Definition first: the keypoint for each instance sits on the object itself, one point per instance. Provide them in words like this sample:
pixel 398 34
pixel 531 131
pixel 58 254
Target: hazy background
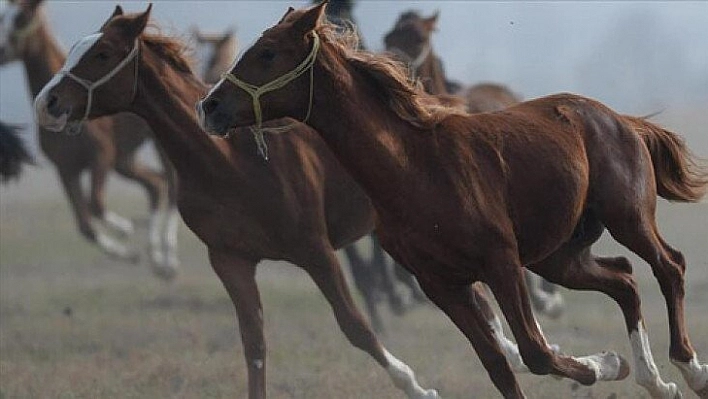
pixel 637 57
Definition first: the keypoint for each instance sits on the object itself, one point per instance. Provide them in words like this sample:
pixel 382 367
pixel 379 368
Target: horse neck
pixel 165 100
pixel 432 76
pixel 42 58
pixel 365 135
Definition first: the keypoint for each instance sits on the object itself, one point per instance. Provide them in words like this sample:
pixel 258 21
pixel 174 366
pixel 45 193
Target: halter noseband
pixel 91 86
pixel 257 91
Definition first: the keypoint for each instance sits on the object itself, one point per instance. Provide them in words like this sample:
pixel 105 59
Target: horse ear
pixel 118 11
pixel 290 9
pixel 431 23
pixel 134 27
pixel 310 19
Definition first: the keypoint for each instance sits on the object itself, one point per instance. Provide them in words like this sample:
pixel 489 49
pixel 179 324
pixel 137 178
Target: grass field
pixel 75 324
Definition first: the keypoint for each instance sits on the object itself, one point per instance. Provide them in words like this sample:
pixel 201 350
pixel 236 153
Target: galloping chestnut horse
pixel 371 277
pixel 462 198
pixel 411 40
pixel 299 207
pixel 102 145
pixel 13 153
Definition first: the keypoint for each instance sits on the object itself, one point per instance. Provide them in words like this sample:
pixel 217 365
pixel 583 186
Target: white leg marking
pixel 118 223
pixel 404 379
pixel 695 374
pixel 171 230
pixel 646 373
pixel 606 365
pixel 511 351
pixel 155 238
pixel 115 248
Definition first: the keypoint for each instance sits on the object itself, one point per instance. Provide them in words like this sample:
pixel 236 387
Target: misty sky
pixel 637 57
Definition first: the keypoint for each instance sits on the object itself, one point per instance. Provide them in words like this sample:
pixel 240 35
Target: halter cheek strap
pixel 257 91
pixel 91 86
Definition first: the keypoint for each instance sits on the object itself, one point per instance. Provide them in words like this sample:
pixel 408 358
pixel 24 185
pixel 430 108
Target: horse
pixel 411 40
pixel 299 207
pixel 220 51
pixel 463 198
pixel 13 153
pixel 371 276
pixel 101 145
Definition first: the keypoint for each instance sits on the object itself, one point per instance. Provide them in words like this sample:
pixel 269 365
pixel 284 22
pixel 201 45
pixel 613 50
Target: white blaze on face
pixel 44 118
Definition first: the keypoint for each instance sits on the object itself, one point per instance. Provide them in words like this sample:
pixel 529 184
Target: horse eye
pixel 103 56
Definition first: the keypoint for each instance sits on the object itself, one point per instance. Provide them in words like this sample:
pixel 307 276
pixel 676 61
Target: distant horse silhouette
pixel 219 53
pixel 462 198
pixel 13 153
pixel 411 40
pixel 102 145
pixel 299 207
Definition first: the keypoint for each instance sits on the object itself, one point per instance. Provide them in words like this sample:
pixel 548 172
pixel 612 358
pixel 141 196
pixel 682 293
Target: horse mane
pixel 177 53
pixel 390 77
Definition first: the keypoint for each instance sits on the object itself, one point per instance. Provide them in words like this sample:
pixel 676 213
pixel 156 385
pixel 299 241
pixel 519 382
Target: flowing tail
pixel 680 175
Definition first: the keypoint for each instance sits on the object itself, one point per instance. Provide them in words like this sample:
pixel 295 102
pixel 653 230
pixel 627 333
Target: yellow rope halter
pixel 257 91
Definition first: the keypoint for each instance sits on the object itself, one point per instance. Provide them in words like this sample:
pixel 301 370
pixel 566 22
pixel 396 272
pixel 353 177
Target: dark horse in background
pixel 464 198
pixel 410 40
pixel 13 152
pixel 102 145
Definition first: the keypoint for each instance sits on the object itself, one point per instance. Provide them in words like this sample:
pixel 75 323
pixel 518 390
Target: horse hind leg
pixel 325 271
pixel 668 266
pixel 576 268
pixel 507 284
pixel 544 296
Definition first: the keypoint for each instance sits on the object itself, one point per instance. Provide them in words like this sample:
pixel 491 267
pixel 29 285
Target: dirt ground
pixel 76 324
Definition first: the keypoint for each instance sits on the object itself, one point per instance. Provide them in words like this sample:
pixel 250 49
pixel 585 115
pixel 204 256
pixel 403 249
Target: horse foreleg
pixel 469 309
pixel 547 302
pixel 99 176
pixel 366 283
pixel 72 186
pixel 239 278
pixel 326 273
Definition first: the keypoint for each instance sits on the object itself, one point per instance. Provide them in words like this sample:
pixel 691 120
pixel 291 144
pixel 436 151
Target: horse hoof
pixel 430 394
pixel 165 272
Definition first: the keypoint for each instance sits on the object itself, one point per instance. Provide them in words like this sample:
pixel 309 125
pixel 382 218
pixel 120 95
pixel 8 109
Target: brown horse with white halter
pixel 103 145
pixel 410 39
pixel 298 207
pixel 462 198
pixel 371 276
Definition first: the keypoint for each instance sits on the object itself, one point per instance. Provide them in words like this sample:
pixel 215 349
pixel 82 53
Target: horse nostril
pixel 210 105
pixel 52 102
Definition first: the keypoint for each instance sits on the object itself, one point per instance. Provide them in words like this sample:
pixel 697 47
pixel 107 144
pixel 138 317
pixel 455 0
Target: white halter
pixel 91 86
